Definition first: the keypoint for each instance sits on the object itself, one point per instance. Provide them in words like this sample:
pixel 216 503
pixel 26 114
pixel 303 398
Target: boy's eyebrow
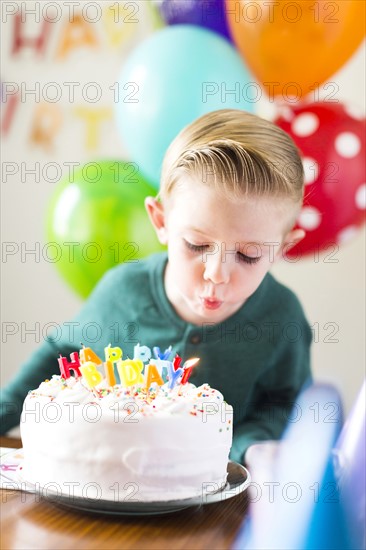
pixel 196 230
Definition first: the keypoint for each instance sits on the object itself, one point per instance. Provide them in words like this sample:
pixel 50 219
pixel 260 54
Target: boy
pixel 231 189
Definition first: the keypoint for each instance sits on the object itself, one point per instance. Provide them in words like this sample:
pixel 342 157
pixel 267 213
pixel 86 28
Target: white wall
pixel 333 294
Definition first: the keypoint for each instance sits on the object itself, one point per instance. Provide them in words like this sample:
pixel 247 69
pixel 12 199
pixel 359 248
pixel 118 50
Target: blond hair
pixel 238 153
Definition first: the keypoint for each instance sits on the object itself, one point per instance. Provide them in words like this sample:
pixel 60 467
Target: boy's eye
pixel 248 259
pixel 196 247
pixel 242 257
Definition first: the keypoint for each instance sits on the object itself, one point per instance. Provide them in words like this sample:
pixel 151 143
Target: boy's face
pixel 219 250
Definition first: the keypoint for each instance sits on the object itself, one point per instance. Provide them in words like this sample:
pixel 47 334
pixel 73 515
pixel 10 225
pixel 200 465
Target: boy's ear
pixel 293 237
pixel 155 211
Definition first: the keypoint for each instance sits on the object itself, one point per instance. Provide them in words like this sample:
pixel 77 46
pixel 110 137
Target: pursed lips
pixel 211 302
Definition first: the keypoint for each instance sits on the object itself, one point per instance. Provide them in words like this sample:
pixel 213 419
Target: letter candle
pixel 112 355
pixel 161 365
pixel 87 354
pixel 161 360
pixel 66 365
pixel 152 375
pixel 142 352
pixel 108 365
pixel 130 372
pixel 177 362
pixel 174 374
pixel 109 373
pixel 188 367
pixel 162 355
pixel 92 376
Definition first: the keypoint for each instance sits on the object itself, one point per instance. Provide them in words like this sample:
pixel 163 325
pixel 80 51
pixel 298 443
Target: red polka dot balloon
pixel 331 138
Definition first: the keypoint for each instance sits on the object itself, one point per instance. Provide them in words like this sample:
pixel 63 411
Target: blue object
pixel 210 14
pixel 303 512
pixel 169 80
pixel 350 457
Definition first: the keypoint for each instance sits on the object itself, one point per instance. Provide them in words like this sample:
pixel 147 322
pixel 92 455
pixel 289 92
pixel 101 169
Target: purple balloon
pixel 204 13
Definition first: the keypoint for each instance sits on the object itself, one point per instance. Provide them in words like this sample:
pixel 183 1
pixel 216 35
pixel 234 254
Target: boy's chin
pixel 214 313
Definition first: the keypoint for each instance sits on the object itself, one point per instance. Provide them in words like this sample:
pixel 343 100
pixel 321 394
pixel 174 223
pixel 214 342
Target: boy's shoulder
pixel 275 297
pixel 135 273
pixel 279 289
pixel 129 284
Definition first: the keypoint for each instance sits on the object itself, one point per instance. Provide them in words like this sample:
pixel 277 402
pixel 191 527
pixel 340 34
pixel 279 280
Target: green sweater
pixel 258 358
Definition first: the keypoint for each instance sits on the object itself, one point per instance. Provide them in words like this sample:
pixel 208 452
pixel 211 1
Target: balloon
pixel 172 78
pixel 331 138
pixel 96 219
pixel 350 460
pixel 293 47
pixel 303 519
pixel 210 14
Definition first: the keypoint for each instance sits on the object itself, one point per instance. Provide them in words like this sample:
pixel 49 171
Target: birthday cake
pixel 153 436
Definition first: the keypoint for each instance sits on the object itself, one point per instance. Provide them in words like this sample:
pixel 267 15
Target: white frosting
pixel 124 443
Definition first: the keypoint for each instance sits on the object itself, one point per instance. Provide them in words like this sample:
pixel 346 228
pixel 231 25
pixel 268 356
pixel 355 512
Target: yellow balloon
pixel 293 47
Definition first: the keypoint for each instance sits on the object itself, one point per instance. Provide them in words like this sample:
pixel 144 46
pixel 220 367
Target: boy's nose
pixel 216 270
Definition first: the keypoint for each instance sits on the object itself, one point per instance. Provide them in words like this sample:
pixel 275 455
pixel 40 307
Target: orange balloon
pixel 293 47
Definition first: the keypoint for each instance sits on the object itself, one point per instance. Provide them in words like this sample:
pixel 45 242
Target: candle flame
pixel 191 363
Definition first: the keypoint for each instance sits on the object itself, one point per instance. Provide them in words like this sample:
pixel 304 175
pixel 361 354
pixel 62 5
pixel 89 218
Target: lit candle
pixel 152 375
pixel 91 374
pixel 130 372
pixel 188 367
pixel 66 366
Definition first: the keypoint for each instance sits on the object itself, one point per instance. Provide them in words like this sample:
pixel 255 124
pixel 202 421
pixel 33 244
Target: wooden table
pixel 30 523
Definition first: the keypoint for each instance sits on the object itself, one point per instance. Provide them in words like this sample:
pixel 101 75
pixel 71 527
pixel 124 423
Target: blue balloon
pixel 210 14
pixel 169 80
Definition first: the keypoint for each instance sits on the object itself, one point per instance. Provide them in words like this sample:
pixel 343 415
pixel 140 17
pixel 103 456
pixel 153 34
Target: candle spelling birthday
pixel 144 369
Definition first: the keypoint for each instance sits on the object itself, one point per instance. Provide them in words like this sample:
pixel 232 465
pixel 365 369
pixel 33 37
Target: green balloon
pixel 96 220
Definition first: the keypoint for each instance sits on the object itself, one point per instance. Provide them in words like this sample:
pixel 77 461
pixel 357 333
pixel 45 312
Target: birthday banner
pixel 59 81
